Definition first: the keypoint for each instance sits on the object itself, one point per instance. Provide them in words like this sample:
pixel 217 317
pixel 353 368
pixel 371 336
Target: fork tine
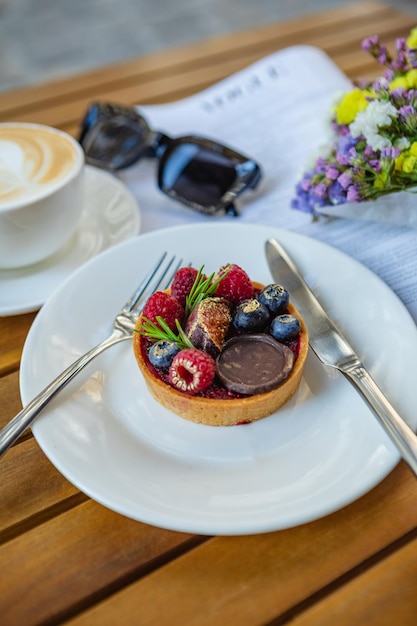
pixel 157 284
pixel 145 289
pixel 172 274
pixel 130 304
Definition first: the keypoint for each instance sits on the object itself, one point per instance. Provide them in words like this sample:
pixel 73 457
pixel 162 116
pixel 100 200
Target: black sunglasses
pixel 199 172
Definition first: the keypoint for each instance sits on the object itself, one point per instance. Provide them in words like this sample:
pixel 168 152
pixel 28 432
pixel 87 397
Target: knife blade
pixel 333 349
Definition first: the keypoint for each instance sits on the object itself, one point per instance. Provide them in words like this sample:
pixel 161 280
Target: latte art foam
pixel 32 162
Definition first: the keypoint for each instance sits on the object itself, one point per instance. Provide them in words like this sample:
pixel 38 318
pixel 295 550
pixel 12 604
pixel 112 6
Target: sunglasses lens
pixel 116 142
pixel 196 174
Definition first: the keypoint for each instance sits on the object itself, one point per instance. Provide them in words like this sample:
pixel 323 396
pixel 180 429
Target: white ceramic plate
pixel 111 214
pixel 114 442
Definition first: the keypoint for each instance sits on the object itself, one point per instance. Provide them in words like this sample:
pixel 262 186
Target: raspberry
pixel 163 305
pixel 236 284
pixel 192 370
pixel 183 281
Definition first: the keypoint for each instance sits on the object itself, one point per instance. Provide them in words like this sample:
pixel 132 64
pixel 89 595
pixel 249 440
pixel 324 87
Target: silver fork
pixel 159 277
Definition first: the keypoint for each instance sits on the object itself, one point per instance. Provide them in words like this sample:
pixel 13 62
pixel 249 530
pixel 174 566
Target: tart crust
pixel 220 412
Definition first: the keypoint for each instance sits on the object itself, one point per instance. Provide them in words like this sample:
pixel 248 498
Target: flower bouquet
pixel 373 153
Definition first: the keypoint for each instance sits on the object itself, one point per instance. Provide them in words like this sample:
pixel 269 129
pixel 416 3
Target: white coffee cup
pixel 41 192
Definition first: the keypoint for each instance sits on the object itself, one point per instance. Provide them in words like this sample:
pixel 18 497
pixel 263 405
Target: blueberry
pixel 162 353
pixel 275 298
pixel 251 316
pixel 285 327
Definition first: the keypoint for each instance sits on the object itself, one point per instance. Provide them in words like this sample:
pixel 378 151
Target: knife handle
pixel 399 431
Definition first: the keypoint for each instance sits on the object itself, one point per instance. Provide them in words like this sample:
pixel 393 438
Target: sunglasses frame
pixel 102 116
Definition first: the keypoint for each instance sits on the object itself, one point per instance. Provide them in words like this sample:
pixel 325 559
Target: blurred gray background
pixel 46 39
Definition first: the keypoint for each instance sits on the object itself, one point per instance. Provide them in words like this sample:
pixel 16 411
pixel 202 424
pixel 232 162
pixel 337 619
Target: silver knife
pixel 333 350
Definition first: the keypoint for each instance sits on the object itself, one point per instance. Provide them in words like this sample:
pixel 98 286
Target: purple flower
pixel 400 44
pixel 353 194
pixel 406 111
pixel 389 74
pixel 399 92
pixel 345 144
pixel 345 179
pixel 321 164
pixel 305 183
pixel 302 201
pixel 400 63
pixel 379 85
pixel 370 43
pixel 316 200
pixel 390 153
pixel 337 195
pixel 345 149
pixel 320 190
pixel 412 57
pixel 342 159
pixel 331 172
pixel 382 57
pixel 369 151
pixel 376 165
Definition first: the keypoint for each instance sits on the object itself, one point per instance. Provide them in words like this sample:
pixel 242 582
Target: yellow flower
pixel 399 162
pixel 381 180
pixel 410 164
pixel 407 160
pixel 408 81
pixel 412 79
pixel 350 105
pixel 400 81
pixel 412 38
pixel 413 149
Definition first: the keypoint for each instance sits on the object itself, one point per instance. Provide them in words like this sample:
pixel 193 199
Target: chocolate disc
pixel 250 364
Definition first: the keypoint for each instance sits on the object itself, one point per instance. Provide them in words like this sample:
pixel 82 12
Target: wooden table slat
pixel 253 580
pixel 383 596
pixel 13 331
pixel 76 558
pixel 40 488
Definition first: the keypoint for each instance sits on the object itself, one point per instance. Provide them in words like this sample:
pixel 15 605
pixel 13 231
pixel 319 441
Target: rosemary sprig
pixel 163 332
pixel 202 288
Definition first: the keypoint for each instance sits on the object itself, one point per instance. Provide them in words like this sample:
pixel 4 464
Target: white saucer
pixel 111 214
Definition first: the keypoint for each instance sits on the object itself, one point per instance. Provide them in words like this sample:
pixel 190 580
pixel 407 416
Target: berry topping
pixel 162 353
pixel 235 284
pixel 208 324
pixel 162 304
pixel 251 316
pixel 192 371
pixel 275 298
pixel 285 327
pixel 182 283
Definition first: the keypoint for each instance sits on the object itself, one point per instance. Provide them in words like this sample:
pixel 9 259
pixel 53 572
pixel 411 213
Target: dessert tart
pixel 234 357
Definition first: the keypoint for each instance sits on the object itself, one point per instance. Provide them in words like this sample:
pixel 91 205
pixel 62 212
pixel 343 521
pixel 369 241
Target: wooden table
pixel 65 558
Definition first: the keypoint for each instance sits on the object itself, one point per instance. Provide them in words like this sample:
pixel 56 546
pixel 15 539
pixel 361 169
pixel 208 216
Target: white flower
pixel 368 122
pixel 402 143
pixel 378 142
pixel 380 113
